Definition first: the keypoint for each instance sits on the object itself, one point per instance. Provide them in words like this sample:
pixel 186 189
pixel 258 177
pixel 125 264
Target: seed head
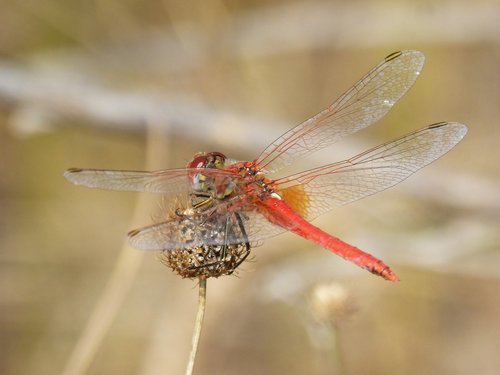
pixel 205 261
pixel 331 303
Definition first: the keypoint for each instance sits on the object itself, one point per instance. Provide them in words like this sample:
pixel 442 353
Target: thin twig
pixel 198 324
pixel 118 285
pixel 104 313
pixel 47 96
pixel 337 358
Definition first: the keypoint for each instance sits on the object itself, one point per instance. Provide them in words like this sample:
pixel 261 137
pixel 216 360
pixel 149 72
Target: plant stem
pixel 197 325
pixel 337 351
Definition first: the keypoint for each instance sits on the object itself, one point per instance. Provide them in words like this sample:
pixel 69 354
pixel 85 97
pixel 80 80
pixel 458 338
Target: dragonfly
pixel 237 203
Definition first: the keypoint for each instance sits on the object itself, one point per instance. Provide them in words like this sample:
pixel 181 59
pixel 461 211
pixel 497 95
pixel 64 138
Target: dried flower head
pixel 330 303
pixel 205 261
pixel 219 242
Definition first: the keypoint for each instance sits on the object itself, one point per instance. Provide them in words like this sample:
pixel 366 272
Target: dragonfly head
pixel 206 184
pixel 207 160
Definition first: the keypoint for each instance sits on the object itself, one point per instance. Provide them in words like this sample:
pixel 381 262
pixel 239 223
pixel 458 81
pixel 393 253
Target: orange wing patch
pixel 296 198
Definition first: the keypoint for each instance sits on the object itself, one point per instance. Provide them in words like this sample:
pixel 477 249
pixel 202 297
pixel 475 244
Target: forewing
pixel 321 189
pixel 362 105
pixel 163 181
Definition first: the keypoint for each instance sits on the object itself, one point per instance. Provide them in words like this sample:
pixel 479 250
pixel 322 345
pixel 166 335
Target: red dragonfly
pixel 234 202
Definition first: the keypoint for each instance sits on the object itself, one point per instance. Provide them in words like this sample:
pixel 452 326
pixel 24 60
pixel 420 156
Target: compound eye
pixel 217 160
pixel 199 161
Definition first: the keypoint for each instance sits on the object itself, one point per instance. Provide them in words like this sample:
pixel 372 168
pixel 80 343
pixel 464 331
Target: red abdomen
pixel 279 213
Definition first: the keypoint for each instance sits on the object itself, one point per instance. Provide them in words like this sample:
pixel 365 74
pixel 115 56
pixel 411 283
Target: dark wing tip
pixel 69 173
pixel 134 240
pixel 72 170
pixel 133 233
pixel 461 129
pixel 438 125
pixel 416 57
pixel 393 55
pixel 397 54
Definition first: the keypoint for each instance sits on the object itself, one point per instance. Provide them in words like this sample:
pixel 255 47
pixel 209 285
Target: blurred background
pixel 125 84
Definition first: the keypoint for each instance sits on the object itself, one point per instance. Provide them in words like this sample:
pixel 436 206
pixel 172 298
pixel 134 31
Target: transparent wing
pixel 310 193
pixel 362 105
pixel 213 230
pixel 319 190
pixel 164 181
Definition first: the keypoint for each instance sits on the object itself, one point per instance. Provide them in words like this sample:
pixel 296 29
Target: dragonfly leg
pixel 245 237
pixel 228 256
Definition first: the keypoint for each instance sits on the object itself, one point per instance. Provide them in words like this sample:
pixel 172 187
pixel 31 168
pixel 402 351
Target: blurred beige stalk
pixel 121 279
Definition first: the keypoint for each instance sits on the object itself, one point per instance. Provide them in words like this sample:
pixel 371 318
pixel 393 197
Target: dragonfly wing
pixel 164 181
pixel 258 228
pixel 182 232
pixel 318 190
pixel 362 105
pixel 215 230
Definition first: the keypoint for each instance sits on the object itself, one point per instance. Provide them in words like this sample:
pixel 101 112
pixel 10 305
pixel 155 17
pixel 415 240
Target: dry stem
pixel 198 324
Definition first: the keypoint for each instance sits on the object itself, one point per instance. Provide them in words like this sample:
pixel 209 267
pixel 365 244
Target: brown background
pixel 144 85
